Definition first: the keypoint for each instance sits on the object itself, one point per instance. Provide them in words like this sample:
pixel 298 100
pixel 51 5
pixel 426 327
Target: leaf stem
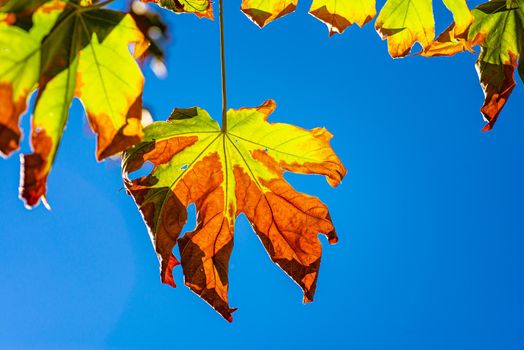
pixel 223 64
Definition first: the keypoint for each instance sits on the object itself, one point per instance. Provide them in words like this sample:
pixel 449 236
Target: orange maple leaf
pixel 226 173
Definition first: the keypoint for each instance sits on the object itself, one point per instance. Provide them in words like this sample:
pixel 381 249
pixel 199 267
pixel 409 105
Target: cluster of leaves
pixel 66 49
pixel 497 26
pixel 76 48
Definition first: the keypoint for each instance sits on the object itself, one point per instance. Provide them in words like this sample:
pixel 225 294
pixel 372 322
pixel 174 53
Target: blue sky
pixel 429 216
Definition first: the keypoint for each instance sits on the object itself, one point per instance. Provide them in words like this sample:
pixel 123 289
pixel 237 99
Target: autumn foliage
pixel 66 49
pixel 227 173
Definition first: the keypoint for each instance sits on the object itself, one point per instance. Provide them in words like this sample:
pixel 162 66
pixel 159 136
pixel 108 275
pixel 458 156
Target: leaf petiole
pixel 223 64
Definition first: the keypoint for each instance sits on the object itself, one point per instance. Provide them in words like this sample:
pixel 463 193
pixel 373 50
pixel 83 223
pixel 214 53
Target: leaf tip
pixel 332 237
pixel 268 107
pixel 487 127
pixel 308 297
pixel 167 271
pixel 229 318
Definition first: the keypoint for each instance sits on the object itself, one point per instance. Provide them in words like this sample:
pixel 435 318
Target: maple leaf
pixel 405 22
pixel 261 12
pixel 69 51
pixel 200 8
pixel 225 174
pixel 498 27
pixel 336 14
pixel 340 14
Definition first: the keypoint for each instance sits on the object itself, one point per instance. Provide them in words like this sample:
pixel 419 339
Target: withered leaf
pixel 226 174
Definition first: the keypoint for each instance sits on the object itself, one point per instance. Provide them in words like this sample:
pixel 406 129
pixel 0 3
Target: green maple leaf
pixel 69 51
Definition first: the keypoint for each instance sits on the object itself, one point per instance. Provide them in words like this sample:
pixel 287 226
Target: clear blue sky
pixel 430 216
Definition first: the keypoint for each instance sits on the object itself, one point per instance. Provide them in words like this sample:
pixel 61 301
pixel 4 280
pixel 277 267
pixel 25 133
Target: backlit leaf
pixel 70 51
pixel 224 175
pixel 405 22
pixel 200 8
pixel 340 14
pixel 336 14
pixel 19 72
pixel 262 12
pixel 498 27
pixel 461 15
